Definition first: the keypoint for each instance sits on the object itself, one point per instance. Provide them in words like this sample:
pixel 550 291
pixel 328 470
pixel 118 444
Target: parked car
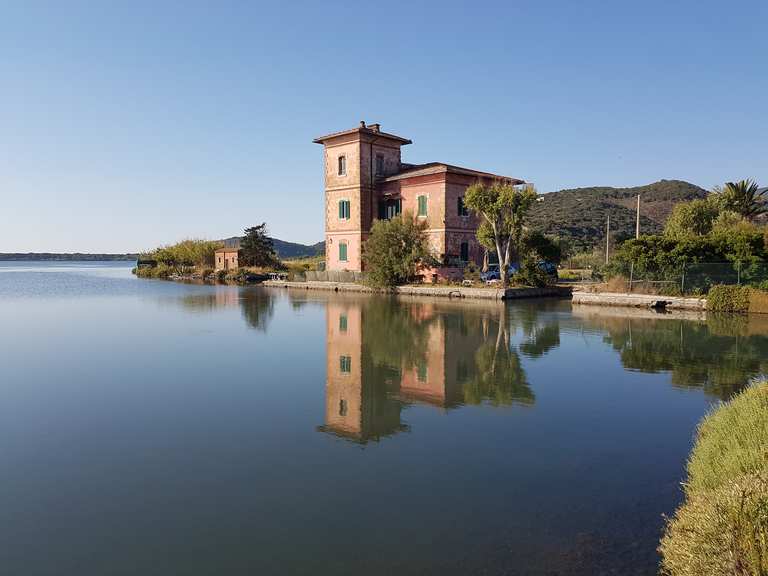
pixel 493 272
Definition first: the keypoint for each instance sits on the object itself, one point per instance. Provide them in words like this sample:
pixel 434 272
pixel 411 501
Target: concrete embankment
pixel 639 301
pixel 432 291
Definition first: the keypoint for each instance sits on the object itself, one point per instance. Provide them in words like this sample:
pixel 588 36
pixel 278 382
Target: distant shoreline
pixel 66 257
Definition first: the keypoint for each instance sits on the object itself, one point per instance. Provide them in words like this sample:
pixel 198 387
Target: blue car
pixel 494 274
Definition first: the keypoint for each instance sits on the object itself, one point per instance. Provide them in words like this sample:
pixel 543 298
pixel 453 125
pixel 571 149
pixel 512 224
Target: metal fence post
pixel 682 281
pixel 631 275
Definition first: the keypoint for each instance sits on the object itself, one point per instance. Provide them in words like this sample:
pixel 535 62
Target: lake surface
pixel 150 427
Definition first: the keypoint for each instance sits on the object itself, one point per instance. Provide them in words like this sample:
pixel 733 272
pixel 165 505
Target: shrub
pixel 721 532
pixel 471 272
pixel 728 298
pixel 394 251
pixel 185 253
pixel 722 527
pixel 530 274
pixel 758 301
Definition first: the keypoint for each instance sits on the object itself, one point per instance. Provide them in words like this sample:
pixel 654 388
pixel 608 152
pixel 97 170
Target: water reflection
pixel 714 352
pixel 383 354
pixel 256 305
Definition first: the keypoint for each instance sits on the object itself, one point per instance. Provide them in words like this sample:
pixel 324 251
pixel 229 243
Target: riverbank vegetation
pixel 721 238
pixel 722 526
pixel 188 257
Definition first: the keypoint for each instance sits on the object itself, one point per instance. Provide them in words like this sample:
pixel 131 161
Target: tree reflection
pixel 256 304
pixel 386 353
pixel 257 307
pixel 719 354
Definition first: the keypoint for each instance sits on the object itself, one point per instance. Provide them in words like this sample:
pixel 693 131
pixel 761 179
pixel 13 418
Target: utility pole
pixel 637 223
pixel 607 237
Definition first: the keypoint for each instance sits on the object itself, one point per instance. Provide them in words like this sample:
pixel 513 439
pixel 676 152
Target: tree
pixel 743 197
pixel 395 250
pixel 693 218
pixel 503 208
pixel 256 248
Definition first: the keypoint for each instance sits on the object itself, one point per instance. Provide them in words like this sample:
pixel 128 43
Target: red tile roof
pixel 439 167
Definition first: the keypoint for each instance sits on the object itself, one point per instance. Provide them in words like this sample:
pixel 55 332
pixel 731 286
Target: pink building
pixel 366 179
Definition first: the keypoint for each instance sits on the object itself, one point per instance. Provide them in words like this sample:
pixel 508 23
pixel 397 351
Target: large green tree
pixel 395 250
pixel 256 248
pixel 693 218
pixel 503 209
pixel 743 197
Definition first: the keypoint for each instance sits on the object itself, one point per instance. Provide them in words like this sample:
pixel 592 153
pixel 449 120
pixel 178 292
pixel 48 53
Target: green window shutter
pixel 422 205
pixel 341 209
pixel 343 323
pixel 345 363
pixel 343 251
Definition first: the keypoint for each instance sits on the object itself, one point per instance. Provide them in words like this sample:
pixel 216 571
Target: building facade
pixel 226 258
pixel 366 179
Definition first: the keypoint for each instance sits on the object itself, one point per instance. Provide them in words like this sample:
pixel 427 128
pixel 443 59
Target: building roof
pixel 412 171
pixel 228 249
pixel 372 130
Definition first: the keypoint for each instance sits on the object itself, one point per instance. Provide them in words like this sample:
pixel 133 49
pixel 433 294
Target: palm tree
pixel 745 198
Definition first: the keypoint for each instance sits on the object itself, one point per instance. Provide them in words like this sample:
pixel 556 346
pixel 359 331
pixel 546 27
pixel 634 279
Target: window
pixel 344 210
pixel 345 364
pixel 465 251
pixel 462 210
pixel 343 323
pixel 342 251
pixel 342 407
pixel 422 206
pixel 342 165
pixel 421 371
pixel 389 209
pixel 379 164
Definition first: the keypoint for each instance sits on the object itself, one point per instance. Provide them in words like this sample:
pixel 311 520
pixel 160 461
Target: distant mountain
pixel 69 257
pixel 287 249
pixel 580 214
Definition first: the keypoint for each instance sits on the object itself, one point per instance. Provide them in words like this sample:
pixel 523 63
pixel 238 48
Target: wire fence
pixel 691 278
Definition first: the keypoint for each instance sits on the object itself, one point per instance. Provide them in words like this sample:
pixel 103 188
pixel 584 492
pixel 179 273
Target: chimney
pixel 375 127
pixel 362 123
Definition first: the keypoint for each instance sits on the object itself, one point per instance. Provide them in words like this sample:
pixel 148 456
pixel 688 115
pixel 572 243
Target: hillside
pixel 287 249
pixel 580 214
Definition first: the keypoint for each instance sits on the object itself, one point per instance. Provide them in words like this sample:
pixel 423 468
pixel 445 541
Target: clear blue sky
pixel 128 124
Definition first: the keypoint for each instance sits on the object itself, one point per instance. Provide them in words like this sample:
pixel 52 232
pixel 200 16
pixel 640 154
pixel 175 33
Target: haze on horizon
pixel 127 125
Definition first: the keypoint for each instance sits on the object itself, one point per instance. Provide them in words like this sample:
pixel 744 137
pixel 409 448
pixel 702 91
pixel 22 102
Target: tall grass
pixel 722 527
pixel 191 252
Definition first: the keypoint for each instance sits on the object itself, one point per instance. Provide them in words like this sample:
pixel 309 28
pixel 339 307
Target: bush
pixel 722 527
pixel 531 274
pixel 758 301
pixel 395 250
pixel 728 298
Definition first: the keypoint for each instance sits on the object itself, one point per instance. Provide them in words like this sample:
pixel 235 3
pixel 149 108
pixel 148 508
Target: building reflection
pixel 383 355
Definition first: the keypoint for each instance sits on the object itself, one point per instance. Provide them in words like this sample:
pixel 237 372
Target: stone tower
pixel 354 160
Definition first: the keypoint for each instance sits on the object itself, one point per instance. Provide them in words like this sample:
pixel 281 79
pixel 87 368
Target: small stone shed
pixel 226 258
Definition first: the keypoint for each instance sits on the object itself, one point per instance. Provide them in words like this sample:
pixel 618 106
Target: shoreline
pixel 495 294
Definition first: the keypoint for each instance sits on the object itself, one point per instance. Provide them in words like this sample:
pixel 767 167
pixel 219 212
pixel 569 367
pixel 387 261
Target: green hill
pixel 286 249
pixel 579 214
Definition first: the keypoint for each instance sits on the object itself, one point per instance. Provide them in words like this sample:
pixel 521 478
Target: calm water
pixel 149 427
